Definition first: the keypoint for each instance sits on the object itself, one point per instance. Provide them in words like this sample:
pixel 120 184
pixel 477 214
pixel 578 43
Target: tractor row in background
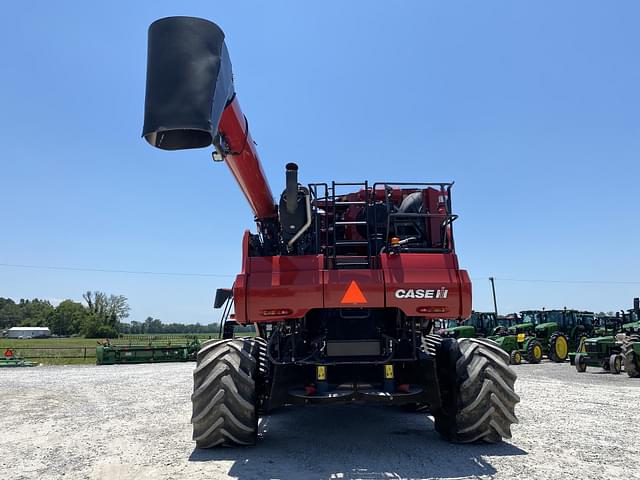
pixel 610 342
pixel 531 335
pixel 617 345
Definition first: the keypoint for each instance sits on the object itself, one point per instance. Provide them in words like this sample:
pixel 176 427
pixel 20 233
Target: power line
pixel 221 275
pixel 106 270
pixel 588 282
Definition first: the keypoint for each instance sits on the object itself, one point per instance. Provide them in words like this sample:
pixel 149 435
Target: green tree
pixel 105 311
pixel 10 314
pixel 68 318
pixel 94 327
pixel 35 312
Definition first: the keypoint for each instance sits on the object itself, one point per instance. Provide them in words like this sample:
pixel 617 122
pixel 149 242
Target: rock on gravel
pixel 132 422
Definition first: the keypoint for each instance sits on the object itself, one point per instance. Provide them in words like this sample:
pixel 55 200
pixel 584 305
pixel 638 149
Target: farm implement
pixel 9 359
pixel 343 281
pixel 108 354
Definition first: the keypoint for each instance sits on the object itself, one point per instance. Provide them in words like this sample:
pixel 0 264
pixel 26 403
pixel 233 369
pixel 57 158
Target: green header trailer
pixel 107 354
pixel 9 359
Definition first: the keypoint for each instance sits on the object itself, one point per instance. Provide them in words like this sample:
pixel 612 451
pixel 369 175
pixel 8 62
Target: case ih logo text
pixel 422 293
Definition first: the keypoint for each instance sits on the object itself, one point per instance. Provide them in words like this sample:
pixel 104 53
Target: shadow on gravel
pixel 354 442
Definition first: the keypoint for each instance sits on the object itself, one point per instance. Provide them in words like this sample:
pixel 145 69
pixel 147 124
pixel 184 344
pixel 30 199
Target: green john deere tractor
pixel 605 325
pixel 631 341
pixel 562 331
pixel 631 354
pixel 519 339
pixel 604 352
pixel 479 324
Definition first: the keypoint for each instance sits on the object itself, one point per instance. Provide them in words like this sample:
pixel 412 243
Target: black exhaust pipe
pixel 189 83
pixel 292 187
pixel 636 305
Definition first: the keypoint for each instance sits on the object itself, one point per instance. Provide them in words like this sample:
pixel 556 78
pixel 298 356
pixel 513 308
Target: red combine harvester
pixel 343 281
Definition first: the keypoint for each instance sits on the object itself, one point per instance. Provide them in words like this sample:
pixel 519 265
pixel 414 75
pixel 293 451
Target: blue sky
pixel 531 107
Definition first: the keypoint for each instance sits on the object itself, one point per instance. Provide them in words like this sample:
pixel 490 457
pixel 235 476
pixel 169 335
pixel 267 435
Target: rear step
pixel 351 262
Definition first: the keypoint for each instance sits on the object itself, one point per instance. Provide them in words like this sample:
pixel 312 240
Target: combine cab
pixel 343 281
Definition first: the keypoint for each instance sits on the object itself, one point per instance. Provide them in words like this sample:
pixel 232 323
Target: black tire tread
pixel 486 397
pixel 631 360
pixel 224 393
pixel 530 357
pixel 431 343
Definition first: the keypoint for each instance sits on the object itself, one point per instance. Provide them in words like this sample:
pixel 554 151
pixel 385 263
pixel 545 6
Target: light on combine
pixel 433 309
pixel 279 312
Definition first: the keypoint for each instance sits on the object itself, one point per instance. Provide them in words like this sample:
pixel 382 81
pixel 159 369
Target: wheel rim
pixel 518 357
pixel 537 352
pixel 561 347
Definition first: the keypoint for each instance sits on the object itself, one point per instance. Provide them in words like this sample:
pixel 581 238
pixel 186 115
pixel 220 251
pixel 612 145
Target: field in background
pixel 76 351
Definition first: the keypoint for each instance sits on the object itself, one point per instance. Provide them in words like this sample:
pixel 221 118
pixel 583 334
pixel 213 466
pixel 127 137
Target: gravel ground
pixel 132 421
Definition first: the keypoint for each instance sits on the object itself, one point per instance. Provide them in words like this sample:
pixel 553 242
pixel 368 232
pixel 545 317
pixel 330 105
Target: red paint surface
pixel 244 163
pixel 300 283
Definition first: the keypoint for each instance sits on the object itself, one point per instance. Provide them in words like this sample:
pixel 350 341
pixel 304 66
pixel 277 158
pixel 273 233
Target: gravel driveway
pixel 132 421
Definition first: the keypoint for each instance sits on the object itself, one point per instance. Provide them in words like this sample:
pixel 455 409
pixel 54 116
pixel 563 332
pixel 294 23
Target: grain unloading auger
pixel 344 281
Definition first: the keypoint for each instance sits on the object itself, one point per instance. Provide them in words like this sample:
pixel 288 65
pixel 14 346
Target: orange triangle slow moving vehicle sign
pixel 353 294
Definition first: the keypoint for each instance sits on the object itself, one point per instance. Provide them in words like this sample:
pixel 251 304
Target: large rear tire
pixel 224 393
pixel 534 351
pixel 558 347
pixel 631 359
pixel 477 390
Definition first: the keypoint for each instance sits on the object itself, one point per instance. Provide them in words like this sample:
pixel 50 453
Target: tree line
pixel 154 325
pixel 100 316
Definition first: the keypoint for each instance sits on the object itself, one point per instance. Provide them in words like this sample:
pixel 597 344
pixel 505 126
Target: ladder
pixel 339 244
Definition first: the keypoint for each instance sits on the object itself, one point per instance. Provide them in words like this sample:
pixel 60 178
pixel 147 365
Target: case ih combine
pixel 343 281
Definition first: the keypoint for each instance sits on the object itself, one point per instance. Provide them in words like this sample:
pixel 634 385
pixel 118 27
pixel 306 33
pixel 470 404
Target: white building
pixel 28 332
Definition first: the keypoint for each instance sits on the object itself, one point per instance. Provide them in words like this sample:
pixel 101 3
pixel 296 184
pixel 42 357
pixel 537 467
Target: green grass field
pixel 77 351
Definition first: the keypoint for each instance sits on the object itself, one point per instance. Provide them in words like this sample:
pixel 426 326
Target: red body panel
pixel 370 283
pixel 300 283
pixel 428 280
pixel 284 282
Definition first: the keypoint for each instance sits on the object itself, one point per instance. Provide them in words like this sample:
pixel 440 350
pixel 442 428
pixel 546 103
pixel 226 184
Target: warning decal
pixel 353 294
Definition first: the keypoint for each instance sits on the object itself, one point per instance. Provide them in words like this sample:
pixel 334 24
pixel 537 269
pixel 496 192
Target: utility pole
pixel 495 303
